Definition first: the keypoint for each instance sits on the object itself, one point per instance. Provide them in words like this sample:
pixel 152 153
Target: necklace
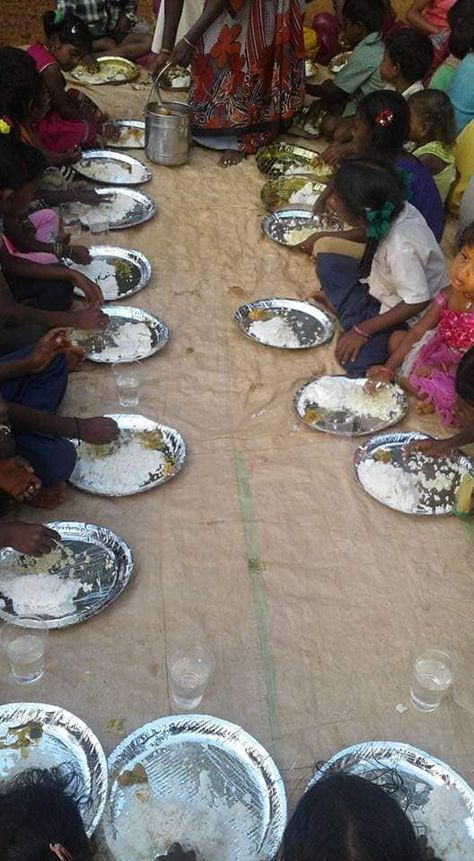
pixel 468 303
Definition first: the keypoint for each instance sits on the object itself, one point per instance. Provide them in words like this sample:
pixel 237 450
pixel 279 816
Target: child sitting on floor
pixel 407 59
pixel 73 119
pixel 402 268
pixel 343 817
pixel 33 246
pixel 362 21
pixel 433 130
pixel 463 410
pixel 460 43
pixel 40 818
pixel 430 352
pixel 381 128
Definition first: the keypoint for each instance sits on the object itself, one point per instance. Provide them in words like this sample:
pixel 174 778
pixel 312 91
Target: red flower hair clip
pixel 384 118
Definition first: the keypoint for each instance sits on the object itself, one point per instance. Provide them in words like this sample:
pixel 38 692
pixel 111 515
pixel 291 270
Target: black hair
pixel 21 85
pixel 38 808
pixel 70 30
pixel 464 382
pixel 461 24
pixel 411 51
pixel 19 162
pixel 368 185
pixel 435 109
pixel 387 115
pixel 370 13
pixel 343 817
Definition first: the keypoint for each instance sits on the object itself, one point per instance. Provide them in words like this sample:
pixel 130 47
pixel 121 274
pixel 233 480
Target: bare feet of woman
pixel 49 497
pixel 230 157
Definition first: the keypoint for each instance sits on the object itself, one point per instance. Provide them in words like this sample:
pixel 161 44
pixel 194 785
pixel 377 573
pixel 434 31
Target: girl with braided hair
pixel 401 271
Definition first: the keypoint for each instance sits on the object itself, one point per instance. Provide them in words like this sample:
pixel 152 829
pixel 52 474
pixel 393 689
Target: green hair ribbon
pixel 58 16
pixel 379 221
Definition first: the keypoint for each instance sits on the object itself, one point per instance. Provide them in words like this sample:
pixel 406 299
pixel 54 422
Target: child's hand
pixel 34 539
pixel 80 254
pixel 50 345
pixel 98 431
pixel 91 290
pixel 380 374
pixel 89 196
pixel 90 319
pixel 429 447
pixel 349 346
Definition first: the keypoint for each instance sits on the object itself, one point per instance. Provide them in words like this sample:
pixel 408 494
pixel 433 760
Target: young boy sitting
pixel 408 59
pixel 362 22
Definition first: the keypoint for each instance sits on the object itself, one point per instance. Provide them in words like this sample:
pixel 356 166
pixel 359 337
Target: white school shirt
pixel 413 88
pixel 408 265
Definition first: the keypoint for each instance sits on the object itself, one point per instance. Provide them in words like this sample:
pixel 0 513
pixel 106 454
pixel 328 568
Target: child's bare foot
pixel 321 299
pixel 74 357
pixel 49 497
pixel 230 157
pixel 424 408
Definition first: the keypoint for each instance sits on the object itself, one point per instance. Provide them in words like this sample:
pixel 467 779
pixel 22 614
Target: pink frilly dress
pixel 55 133
pixel 440 349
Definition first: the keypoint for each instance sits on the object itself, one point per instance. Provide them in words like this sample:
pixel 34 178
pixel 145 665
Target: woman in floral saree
pixel 247 70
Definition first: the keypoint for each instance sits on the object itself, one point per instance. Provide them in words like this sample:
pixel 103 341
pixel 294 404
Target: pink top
pixel 41 56
pixel 455 327
pixel 437 13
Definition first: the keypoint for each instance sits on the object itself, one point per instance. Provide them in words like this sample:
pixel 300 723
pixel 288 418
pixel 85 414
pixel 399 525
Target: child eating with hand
pixel 362 25
pixel 401 271
pixel 429 354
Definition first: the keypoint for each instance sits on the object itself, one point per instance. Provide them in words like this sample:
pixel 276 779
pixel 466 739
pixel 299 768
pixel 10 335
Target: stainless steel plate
pixel 282 226
pixel 207 767
pixel 311 325
pixel 177 78
pixel 112 168
pixel 428 471
pixel 132 134
pixel 116 479
pixel 101 346
pixel 126 207
pixel 314 412
pixel 339 62
pixel 286 159
pixel 35 735
pixel 112 70
pixel 132 271
pixel 437 800
pixel 102 563
pixel 277 191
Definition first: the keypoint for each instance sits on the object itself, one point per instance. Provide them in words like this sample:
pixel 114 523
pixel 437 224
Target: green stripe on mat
pixel 255 569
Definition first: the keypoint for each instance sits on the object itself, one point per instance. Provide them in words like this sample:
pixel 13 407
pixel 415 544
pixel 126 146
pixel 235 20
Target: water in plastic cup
pixel 73 228
pixel 432 677
pixel 127 376
pixel 26 656
pixel 190 670
pixel 98 223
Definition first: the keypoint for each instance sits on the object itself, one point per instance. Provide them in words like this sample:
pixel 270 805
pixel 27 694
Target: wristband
pixel 189 43
pixel 360 332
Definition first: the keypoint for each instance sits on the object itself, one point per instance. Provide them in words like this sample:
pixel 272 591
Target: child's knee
pixel 60 465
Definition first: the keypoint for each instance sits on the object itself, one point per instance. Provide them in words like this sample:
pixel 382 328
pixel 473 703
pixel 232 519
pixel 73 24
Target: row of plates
pixel 201 763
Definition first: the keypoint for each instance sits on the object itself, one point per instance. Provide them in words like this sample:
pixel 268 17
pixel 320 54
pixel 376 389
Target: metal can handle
pixel 155 85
